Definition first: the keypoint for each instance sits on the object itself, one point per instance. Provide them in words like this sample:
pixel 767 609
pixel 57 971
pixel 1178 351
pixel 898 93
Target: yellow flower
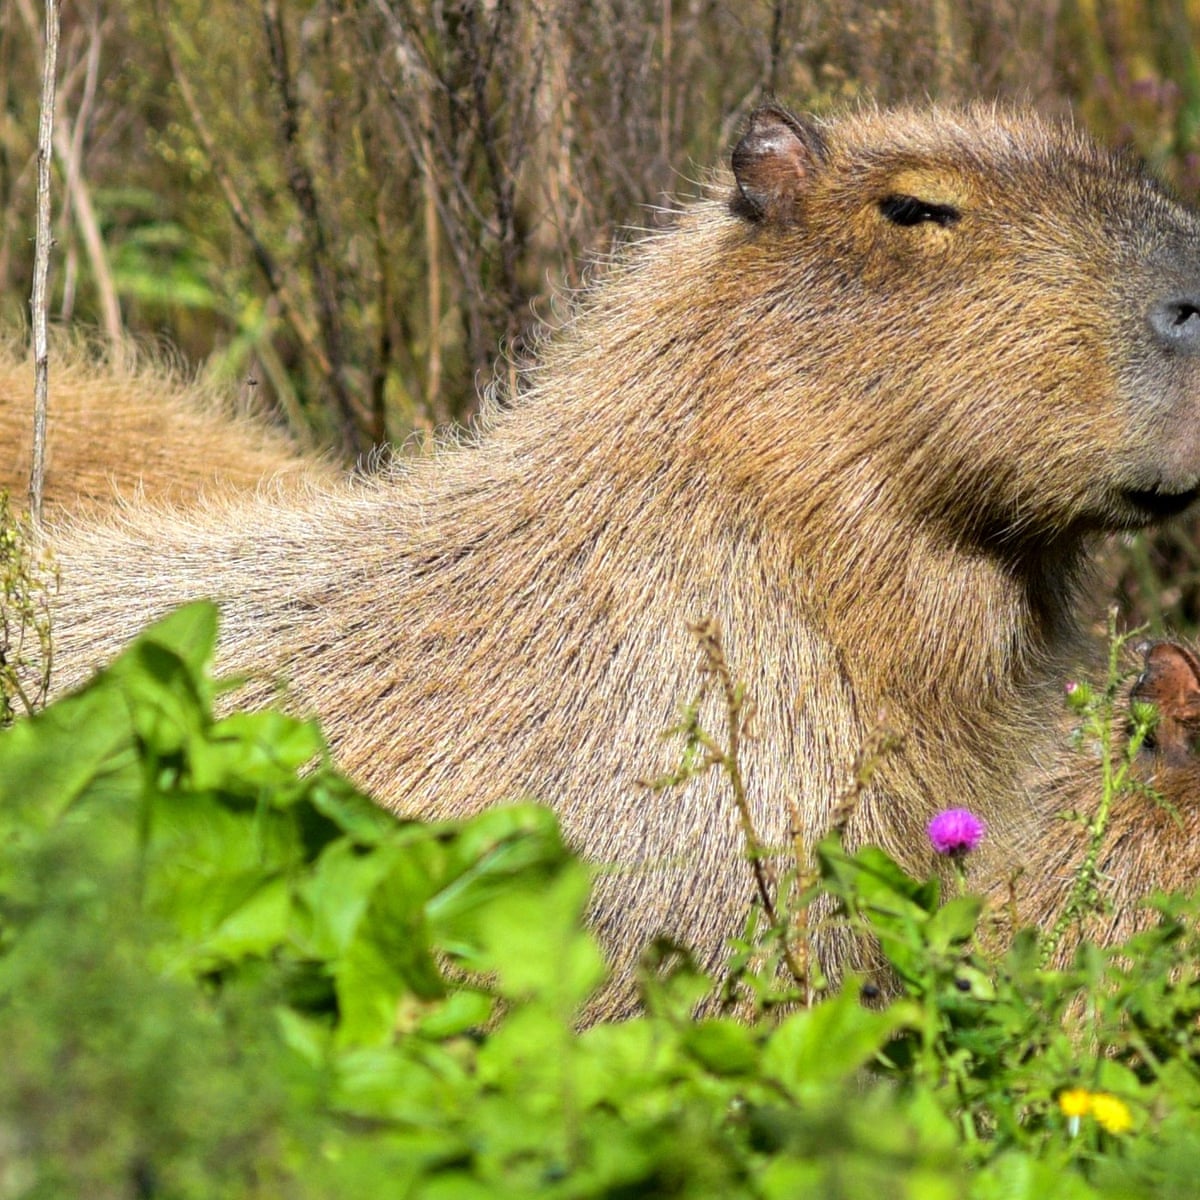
pixel 1075 1102
pixel 1111 1113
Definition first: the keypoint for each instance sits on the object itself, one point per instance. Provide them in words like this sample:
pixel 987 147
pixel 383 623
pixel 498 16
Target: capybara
pixel 115 435
pixel 864 407
pixel 1152 838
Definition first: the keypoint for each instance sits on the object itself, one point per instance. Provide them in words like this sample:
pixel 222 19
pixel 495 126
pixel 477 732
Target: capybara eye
pixel 910 210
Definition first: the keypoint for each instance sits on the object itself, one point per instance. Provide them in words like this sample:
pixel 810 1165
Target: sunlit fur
pixel 139 432
pixel 873 454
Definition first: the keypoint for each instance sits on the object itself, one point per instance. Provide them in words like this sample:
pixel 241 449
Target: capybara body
pixel 865 408
pixel 115 435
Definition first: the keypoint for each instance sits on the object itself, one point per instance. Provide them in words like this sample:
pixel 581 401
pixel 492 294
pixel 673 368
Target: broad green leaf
pixel 826 1043
pixel 248 751
pixel 535 942
pixel 257 926
pixel 50 760
pixel 460 1012
pixel 422 1088
pixel 723 1047
pixel 189 632
pixel 1019 1176
pixel 348 810
pixel 487 855
pixel 336 893
pixel 954 923
pixel 389 953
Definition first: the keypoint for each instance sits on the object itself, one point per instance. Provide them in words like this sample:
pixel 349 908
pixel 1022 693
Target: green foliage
pixel 1099 724
pixel 28 578
pixel 223 971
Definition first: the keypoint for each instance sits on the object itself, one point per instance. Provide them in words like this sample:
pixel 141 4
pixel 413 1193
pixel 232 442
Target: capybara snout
pixel 929 253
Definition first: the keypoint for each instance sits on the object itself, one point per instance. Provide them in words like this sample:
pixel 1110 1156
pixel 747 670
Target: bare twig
pixel 776 51
pixel 41 265
pixel 68 145
pixel 502 179
pixel 664 103
pixel 430 159
pixel 806 877
pixel 739 717
pixel 304 192
pixel 880 740
pixel 289 310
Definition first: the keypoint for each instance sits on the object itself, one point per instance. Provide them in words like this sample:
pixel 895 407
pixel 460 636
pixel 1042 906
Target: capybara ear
pixel 1170 680
pixel 773 164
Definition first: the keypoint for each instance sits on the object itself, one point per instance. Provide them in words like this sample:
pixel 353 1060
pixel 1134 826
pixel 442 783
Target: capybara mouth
pixel 1158 504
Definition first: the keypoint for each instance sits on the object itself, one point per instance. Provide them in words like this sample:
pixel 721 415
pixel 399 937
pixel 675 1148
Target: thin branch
pixel 430 152
pixel 41 266
pixel 273 273
pixel 69 151
pixel 433 252
pixel 503 184
pixel 69 146
pixel 777 24
pixel 304 192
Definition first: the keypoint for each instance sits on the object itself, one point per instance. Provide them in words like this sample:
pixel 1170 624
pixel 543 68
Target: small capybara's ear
pixel 774 163
pixel 1170 680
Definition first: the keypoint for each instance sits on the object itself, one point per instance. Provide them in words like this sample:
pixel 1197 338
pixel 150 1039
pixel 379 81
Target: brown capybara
pixel 1152 834
pixel 114 435
pixel 865 408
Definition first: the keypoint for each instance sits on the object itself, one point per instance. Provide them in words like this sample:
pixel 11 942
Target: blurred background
pixel 361 212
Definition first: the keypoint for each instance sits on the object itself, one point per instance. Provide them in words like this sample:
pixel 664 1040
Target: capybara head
pixel 1011 313
pixel 1170 680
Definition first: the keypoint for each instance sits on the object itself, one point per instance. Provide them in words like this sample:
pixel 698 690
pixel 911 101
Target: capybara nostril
pixel 1176 323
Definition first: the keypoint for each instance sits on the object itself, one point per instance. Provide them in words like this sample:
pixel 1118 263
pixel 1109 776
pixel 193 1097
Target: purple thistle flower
pixel 956 831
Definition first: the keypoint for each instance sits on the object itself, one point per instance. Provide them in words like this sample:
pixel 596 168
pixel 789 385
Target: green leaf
pixel 256 927
pixel 722 1047
pixel 247 752
pixel 535 942
pixel 1019 1176
pixel 390 952
pixel 876 881
pixel 827 1043
pixel 382 1082
pixel 461 1011
pixel 190 633
pixel 49 761
pixel 954 923
pixel 347 810
pixel 336 894
pixel 489 853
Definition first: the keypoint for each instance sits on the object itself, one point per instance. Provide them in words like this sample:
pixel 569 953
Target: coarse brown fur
pixel 865 408
pixel 139 433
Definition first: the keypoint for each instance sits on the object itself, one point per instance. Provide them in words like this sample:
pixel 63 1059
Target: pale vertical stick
pixel 41 265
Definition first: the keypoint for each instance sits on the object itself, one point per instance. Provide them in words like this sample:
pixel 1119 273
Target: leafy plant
pixel 28 579
pixel 223 971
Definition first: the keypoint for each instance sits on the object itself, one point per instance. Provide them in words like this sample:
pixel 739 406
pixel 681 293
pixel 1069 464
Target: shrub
pixel 223 971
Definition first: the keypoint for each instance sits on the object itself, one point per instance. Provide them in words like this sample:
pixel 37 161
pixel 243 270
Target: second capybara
pixel 119 434
pixel 865 407
pixel 1151 839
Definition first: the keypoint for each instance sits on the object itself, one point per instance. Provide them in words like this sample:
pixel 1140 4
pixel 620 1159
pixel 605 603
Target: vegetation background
pixel 221 974
pixel 364 213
